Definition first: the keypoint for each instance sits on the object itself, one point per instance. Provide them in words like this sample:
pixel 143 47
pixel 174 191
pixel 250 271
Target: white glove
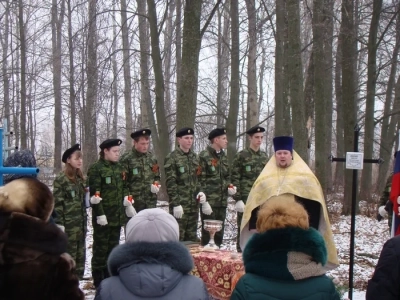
pixel 61 227
pixel 231 191
pixel 206 208
pixel 202 197
pixel 154 188
pixel 102 220
pixel 127 202
pixel 382 211
pixel 239 206
pixel 130 211
pixel 95 199
pixel 178 212
pixel 398 200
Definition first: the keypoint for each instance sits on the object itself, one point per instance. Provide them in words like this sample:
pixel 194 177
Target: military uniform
pixel 247 165
pixel 181 171
pixel 108 178
pixel 71 213
pixel 385 201
pixel 142 171
pixel 214 182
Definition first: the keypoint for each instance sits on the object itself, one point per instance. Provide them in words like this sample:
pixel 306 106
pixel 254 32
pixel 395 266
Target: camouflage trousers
pixel 140 205
pixel 188 226
pixel 105 238
pixel 76 247
pixel 239 216
pixel 219 213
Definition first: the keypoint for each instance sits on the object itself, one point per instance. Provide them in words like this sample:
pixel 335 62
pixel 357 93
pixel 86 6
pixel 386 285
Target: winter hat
pixel 28 196
pixel 280 212
pixel 23 158
pixel 152 225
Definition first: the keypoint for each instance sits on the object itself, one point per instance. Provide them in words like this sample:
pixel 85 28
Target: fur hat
pixel 23 158
pixel 152 225
pixel 28 196
pixel 281 212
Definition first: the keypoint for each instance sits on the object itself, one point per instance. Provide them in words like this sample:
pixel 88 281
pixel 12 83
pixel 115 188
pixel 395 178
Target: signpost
pixel 355 161
pixel 12 170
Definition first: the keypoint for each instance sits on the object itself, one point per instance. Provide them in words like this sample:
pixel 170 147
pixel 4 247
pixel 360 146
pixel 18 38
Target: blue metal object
pixel 12 170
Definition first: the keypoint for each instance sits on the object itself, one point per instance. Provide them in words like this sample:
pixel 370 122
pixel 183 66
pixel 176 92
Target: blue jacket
pixel 285 264
pixel 149 271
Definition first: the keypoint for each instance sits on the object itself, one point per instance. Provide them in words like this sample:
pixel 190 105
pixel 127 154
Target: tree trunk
pixel 235 88
pixel 366 179
pixel 90 143
pixel 252 103
pixel 320 100
pixel 178 43
pixel 295 74
pixel 57 20
pixel 4 69
pixel 187 93
pixel 146 111
pixel 127 74
pixel 388 127
pixel 114 130
pixel 162 127
pixel 72 93
pixel 280 124
pixel 22 131
pixel 348 90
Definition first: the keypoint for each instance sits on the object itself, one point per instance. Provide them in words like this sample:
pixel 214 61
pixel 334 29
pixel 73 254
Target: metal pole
pixel 353 215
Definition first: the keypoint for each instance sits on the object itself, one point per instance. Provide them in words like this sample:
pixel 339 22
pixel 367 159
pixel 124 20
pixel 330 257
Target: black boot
pixel 98 276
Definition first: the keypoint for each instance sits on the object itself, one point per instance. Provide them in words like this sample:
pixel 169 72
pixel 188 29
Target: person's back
pixel 152 264
pixel 33 262
pixel 285 259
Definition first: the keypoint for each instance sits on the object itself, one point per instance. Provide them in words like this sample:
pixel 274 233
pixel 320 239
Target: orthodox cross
pixel 354 160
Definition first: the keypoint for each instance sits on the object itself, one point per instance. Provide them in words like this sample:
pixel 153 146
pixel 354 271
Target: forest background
pixel 86 70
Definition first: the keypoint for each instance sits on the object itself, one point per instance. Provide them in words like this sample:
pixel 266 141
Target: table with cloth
pixel 220 270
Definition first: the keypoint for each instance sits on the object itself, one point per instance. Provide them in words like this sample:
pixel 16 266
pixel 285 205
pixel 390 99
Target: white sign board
pixel 354 160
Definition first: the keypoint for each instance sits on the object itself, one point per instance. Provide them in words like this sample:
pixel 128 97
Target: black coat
pixel 385 283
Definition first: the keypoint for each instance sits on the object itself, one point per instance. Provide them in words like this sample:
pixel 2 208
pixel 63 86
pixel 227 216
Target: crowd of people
pixel 283 224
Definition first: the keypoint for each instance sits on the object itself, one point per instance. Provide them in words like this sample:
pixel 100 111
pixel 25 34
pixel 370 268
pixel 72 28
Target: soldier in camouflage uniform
pixel 107 183
pixel 214 181
pixel 385 205
pixel 247 165
pixel 69 193
pixel 142 171
pixel 181 171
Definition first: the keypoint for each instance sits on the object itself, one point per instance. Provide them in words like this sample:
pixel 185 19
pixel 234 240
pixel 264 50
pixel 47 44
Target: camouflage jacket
pixel 181 171
pixel 214 176
pixel 386 192
pixel 108 178
pixel 69 202
pixel 142 170
pixel 247 165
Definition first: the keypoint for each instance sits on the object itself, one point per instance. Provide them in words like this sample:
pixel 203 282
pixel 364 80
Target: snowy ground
pixel 370 237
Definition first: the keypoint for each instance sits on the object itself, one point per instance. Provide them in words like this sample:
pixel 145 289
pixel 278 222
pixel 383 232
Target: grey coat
pixel 145 270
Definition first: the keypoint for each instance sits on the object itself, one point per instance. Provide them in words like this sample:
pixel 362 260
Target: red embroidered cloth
pixel 219 270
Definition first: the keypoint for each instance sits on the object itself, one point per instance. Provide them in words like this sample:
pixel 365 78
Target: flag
pixel 394 194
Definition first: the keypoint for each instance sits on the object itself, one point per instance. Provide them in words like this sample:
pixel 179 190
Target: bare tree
pixel 23 131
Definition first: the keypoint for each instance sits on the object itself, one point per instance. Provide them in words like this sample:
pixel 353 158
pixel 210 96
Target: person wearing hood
pixel 152 264
pixel 286 258
pixel 33 260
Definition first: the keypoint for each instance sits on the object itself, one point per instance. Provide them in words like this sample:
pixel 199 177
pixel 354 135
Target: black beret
pixel 110 143
pixel 69 152
pixel 216 132
pixel 185 131
pixel 255 129
pixel 141 132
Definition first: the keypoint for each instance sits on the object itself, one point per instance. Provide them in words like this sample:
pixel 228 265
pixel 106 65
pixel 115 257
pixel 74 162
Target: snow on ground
pixel 370 237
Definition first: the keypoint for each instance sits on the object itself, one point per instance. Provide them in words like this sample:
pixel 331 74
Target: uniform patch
pixel 72 193
pixel 182 169
pixel 108 180
pixel 135 171
pixel 248 168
